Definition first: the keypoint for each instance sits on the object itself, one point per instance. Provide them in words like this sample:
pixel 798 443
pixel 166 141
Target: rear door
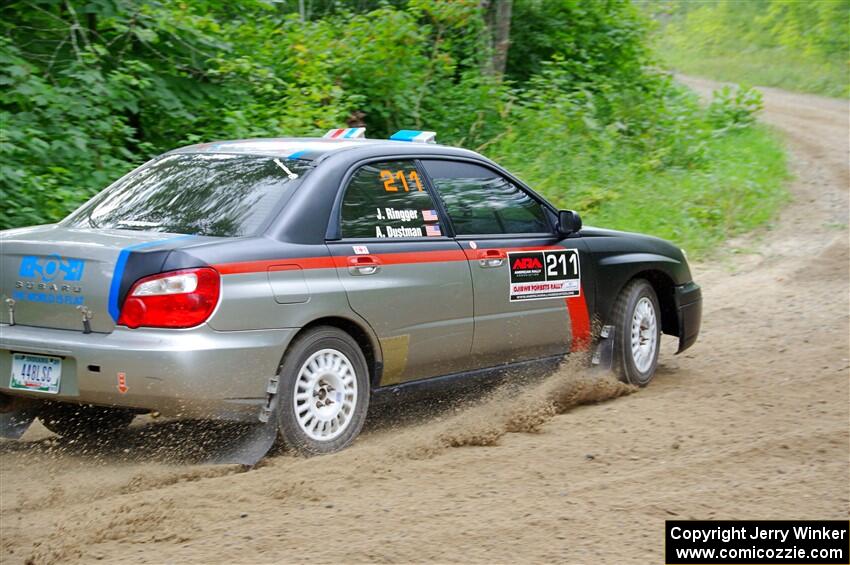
pixel 526 279
pixel 402 274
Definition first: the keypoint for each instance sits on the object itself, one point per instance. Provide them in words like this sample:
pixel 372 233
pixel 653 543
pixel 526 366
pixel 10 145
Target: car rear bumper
pixel 196 373
pixel 689 310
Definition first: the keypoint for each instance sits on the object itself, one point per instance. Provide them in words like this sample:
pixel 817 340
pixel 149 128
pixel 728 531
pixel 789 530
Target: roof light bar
pixel 415 136
pixel 346 133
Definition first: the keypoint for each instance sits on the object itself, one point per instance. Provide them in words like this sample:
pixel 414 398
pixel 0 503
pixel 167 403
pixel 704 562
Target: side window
pixel 388 199
pixel 480 201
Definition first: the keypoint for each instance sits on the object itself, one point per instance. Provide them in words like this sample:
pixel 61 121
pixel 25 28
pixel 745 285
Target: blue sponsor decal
pixel 48 298
pixel 53 276
pixel 52 268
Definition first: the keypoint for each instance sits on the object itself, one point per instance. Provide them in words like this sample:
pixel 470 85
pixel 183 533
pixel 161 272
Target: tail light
pixel 179 299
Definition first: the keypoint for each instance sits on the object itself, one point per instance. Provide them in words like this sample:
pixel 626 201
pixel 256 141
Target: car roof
pixel 315 148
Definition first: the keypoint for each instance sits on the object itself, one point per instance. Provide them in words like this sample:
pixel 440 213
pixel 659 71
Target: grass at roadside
pixel 766 67
pixel 795 45
pixel 740 185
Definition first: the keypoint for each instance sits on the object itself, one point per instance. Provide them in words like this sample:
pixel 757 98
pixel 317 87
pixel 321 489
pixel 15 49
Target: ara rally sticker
pixel 536 275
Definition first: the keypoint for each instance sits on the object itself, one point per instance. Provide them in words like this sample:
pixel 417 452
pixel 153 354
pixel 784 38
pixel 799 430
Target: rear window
pixel 198 194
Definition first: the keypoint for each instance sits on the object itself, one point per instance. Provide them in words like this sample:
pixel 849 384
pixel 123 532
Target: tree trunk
pixel 91 21
pixel 501 33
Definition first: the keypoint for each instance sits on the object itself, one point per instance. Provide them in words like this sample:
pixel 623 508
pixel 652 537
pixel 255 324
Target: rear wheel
pixel 324 392
pixel 84 420
pixel 638 333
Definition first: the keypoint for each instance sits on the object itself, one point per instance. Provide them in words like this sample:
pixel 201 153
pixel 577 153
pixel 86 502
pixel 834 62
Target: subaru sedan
pixel 285 281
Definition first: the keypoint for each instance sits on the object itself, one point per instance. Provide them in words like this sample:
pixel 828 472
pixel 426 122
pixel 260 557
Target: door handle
pixel 491 258
pixel 363 265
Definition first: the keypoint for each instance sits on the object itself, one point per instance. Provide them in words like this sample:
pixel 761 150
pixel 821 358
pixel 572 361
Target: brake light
pixel 179 299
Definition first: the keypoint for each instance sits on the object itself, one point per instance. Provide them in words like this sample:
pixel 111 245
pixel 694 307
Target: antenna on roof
pixel 290 174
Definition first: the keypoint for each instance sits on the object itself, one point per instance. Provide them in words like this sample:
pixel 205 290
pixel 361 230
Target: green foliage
pixel 668 166
pixel 91 89
pixel 58 138
pixel 786 43
pixel 734 108
pixel 596 40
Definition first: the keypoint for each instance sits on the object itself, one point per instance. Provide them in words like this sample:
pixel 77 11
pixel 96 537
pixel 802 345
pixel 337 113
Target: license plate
pixel 36 372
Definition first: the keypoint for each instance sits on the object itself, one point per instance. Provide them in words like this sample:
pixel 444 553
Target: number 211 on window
pixel 390 178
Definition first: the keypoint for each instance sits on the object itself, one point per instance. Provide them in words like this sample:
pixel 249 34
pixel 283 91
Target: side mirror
pixel 568 222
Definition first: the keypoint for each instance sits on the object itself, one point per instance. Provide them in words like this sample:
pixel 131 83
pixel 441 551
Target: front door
pixel 526 279
pixel 409 281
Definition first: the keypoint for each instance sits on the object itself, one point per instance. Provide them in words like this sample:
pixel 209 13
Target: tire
pixel 327 371
pixel 84 420
pixel 637 338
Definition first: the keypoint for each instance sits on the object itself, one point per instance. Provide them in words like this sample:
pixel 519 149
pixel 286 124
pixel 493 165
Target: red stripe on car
pixel 409 257
pixel 579 321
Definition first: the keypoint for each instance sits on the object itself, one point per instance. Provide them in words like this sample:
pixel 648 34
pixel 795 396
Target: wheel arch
pixel 368 342
pixel 664 288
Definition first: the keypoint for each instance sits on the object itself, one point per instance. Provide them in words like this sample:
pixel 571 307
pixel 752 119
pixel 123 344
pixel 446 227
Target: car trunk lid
pixel 56 275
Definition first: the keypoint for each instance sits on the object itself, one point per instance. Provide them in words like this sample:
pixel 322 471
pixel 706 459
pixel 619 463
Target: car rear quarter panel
pixel 268 284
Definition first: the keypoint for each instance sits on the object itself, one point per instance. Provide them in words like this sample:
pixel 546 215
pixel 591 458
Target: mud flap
pixel 252 441
pixel 603 355
pixel 249 444
pixel 16 415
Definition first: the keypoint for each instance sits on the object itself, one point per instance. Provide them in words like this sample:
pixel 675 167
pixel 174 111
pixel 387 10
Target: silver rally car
pixel 284 281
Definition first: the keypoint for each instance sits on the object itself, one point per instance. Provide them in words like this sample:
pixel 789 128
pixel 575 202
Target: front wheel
pixel 324 392
pixel 638 333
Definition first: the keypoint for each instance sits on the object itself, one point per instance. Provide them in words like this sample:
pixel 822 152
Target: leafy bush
pixel 734 108
pixel 61 142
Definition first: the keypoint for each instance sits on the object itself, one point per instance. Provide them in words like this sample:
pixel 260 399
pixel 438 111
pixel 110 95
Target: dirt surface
pixel 752 422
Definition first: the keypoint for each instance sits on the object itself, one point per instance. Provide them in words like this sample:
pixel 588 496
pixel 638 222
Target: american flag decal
pixel 430 215
pixel 433 230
